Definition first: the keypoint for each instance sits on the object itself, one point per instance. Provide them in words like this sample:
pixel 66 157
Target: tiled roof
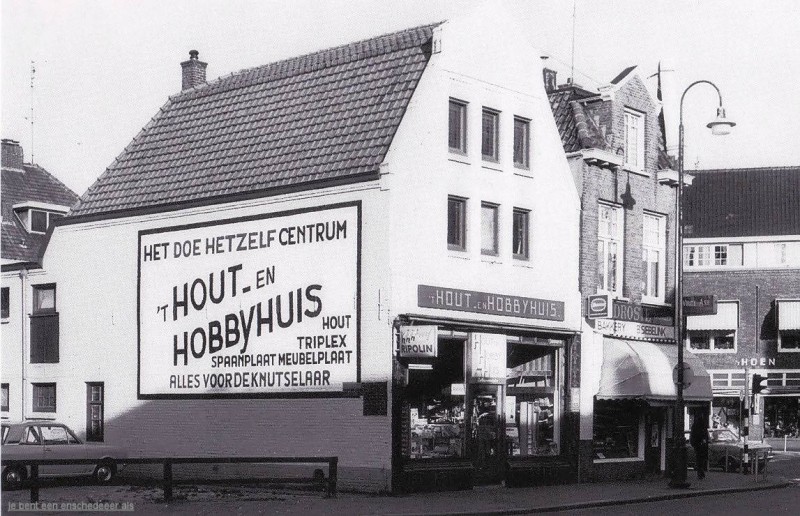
pixel 743 202
pixel 32 183
pixel 323 116
pixel 576 129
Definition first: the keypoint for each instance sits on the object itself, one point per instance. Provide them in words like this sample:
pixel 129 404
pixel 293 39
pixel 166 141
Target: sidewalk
pixel 199 500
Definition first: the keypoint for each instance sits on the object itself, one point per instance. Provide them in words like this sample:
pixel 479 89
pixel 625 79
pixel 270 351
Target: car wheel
pixel 13 477
pixel 104 473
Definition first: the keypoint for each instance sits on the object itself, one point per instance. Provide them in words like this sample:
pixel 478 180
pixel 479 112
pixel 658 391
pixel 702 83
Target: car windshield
pixel 725 436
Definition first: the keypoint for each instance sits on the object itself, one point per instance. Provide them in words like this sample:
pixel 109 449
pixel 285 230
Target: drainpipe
pixel 23 280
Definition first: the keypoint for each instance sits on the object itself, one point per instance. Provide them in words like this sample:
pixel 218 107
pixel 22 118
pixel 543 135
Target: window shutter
pixel 44 339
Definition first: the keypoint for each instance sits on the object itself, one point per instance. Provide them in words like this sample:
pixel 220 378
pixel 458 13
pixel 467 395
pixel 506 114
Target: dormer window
pixel 37 217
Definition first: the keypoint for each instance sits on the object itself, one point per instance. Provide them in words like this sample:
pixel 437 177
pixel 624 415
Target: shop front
pixel 475 406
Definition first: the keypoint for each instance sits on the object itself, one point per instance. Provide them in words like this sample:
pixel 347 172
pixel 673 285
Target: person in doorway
pixel 699 440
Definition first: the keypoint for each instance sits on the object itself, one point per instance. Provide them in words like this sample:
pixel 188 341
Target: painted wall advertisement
pixel 259 306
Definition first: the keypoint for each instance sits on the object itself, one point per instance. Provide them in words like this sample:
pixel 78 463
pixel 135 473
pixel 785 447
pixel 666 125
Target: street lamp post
pixel 720 126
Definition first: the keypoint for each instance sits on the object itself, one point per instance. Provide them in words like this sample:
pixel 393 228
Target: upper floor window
pixel 38 217
pixel 44 331
pixel 789 325
pixel 712 255
pixel 490 134
pixel 522 137
pixel 634 139
pixel 653 257
pixel 714 333
pixel 5 401
pixel 457 137
pixel 489 228
pixel 456 223
pixel 4 296
pixel 610 248
pixel 520 230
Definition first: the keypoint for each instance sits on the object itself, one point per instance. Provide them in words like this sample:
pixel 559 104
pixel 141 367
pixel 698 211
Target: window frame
pixel 5 303
pixel 91 435
pixel 639 117
pixel 525 143
pixel 36 289
pixel 494 155
pixel 716 333
pixel 495 250
pixel 35 407
pixel 661 248
pixel 462 229
pixel 6 393
pixel 525 235
pixel 780 332
pixel 707 255
pixel 619 239
pixel 462 146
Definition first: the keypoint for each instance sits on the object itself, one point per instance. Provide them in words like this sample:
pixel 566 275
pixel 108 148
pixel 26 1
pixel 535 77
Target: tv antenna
pixel 33 76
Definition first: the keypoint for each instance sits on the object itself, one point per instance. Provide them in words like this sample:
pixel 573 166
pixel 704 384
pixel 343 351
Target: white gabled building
pixel 369 252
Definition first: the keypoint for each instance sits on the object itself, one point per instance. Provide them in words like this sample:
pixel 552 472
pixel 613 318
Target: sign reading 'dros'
pixel 419 341
pixel 260 306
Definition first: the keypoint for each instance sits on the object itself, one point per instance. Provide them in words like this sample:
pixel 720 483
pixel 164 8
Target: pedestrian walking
pixel 699 440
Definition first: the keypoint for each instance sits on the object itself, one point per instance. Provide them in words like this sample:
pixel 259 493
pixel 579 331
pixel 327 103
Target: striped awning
pixel 789 315
pixel 726 318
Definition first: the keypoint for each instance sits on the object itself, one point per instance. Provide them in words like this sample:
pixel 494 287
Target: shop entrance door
pixel 486 432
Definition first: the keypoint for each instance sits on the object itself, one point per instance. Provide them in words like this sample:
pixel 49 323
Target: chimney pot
pixel 549 80
pixel 193 71
pixel 12 156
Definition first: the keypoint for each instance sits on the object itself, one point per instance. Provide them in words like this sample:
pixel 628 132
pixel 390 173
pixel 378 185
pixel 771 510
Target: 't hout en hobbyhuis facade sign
pixel 257 306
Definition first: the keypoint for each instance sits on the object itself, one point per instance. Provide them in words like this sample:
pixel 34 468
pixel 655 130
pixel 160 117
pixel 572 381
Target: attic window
pixel 38 217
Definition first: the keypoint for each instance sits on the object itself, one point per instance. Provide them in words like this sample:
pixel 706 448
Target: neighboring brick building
pixel 32 199
pixel 743 245
pixel 615 147
pixel 370 252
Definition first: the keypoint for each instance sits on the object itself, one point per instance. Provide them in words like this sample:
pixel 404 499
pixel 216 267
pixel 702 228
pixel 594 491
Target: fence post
pixel 167 481
pixel 34 483
pixel 333 475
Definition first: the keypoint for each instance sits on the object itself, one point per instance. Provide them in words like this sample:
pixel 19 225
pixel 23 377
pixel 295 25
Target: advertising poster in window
pixel 262 306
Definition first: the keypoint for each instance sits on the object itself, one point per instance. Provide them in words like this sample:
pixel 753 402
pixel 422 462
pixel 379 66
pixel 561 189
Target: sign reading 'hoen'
pixel 489 303
pixel 259 306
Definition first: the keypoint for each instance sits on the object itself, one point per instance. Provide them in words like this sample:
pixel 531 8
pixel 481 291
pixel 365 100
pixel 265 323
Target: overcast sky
pixel 104 68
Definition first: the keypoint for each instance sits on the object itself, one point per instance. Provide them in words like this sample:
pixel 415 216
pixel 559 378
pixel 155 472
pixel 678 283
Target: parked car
pixel 50 440
pixel 724 444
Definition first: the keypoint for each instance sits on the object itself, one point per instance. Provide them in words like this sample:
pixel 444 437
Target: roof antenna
pixel 572 66
pixel 33 75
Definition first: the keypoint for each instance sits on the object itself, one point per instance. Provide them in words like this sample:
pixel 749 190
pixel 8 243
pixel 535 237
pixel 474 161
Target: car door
pixel 58 443
pixel 30 445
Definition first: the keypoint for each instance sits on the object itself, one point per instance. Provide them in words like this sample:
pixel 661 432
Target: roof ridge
pixel 285 64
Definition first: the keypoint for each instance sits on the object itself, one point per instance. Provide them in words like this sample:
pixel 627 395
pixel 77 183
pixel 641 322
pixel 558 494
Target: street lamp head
pixel 721 126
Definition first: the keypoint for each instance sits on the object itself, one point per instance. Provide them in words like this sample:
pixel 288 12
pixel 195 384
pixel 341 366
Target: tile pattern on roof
pixel 33 183
pixel 327 115
pixel 743 202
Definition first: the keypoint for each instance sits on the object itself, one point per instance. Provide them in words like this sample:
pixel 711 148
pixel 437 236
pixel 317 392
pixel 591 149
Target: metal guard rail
pixel 330 488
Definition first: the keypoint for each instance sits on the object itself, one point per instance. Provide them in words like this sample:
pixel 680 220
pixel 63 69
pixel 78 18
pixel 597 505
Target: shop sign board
pixel 638 313
pixel 419 341
pixel 634 330
pixel 486 358
pixel 446 298
pixel 598 306
pixel 261 306
pixel 700 305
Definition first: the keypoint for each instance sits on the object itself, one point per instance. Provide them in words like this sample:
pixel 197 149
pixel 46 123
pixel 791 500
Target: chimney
pixel 12 157
pixel 194 71
pixel 549 80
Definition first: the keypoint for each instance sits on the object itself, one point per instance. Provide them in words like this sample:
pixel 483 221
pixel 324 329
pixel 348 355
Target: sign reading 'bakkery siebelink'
pixel 489 303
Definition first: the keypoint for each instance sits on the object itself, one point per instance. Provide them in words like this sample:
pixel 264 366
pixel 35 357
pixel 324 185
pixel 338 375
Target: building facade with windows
pixel 627 346
pixel 742 245
pixel 32 200
pixel 368 252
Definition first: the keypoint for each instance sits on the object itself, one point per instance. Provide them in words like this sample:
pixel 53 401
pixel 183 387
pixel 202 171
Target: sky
pixel 103 68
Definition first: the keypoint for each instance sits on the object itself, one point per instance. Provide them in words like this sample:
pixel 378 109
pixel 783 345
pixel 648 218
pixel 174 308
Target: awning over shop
pixel 726 318
pixel 788 315
pixel 643 370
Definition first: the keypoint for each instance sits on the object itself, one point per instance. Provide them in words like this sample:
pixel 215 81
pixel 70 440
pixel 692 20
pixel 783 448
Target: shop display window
pixel 532 408
pixel 726 413
pixel 435 404
pixel 781 416
pixel 617 429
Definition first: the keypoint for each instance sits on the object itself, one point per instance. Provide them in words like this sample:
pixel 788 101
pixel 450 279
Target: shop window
pixel 4 407
pixel 457 137
pixel 610 248
pixel 521 231
pixel 653 257
pixel 94 411
pixel 489 228
pixel 726 412
pixel 490 134
pixel 456 223
pixel 781 416
pixel 4 297
pixel 618 429
pixel 522 132
pixel 532 411
pixel 44 332
pixel 434 404
pixel 44 397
